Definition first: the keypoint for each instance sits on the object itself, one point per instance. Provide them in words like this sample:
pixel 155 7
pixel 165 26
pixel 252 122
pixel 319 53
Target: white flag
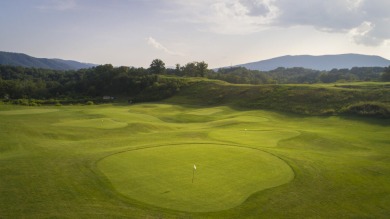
pixel 194 167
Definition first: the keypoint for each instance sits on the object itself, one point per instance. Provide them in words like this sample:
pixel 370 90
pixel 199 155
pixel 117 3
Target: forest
pixel 158 81
pixel 298 75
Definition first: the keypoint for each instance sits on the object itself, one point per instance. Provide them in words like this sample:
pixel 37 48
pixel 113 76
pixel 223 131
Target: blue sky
pixel 219 32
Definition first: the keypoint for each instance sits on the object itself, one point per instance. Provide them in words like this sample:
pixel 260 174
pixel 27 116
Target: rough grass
pixel 341 164
pixel 316 99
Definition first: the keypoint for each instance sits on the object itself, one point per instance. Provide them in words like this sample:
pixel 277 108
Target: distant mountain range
pixel 20 59
pixel 324 62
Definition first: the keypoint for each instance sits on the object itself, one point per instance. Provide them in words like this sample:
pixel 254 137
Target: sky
pixel 219 32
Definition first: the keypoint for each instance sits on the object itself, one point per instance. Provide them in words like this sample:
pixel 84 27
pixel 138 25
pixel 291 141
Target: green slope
pixel 369 99
pixel 59 162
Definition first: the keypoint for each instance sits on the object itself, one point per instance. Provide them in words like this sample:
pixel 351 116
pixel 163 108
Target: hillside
pixel 42 86
pixel 366 98
pixel 20 59
pixel 325 62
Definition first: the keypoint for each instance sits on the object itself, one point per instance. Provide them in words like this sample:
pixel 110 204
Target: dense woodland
pixel 159 82
pixel 300 75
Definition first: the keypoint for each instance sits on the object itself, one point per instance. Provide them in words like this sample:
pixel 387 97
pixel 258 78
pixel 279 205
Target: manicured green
pixel 27 111
pixel 99 161
pixel 224 177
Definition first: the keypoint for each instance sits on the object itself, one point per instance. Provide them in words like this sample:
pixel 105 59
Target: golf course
pixel 169 160
pixel 196 109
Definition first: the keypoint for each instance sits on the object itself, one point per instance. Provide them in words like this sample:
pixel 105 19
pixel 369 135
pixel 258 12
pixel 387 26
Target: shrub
pixel 369 109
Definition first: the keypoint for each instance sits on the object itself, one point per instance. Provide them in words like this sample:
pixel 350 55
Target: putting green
pixel 225 176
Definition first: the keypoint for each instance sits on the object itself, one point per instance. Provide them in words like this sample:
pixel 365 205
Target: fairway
pixel 102 123
pixel 137 161
pixel 27 111
pixel 224 178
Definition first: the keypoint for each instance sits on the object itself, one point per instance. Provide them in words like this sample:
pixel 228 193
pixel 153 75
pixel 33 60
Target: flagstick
pixel 193 175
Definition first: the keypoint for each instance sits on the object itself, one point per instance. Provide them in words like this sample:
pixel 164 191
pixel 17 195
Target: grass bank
pixel 367 99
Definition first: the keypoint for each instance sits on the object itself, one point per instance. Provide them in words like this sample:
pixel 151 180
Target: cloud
pixel 368 34
pixel 361 34
pixel 330 15
pixel 228 16
pixel 151 41
pixel 366 21
pixel 58 5
pixel 354 4
pixel 241 17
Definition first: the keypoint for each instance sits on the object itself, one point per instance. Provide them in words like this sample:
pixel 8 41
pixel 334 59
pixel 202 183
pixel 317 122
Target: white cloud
pixel 151 41
pixel 249 16
pixel 369 34
pixel 231 16
pixel 361 34
pixel 366 21
pixel 240 17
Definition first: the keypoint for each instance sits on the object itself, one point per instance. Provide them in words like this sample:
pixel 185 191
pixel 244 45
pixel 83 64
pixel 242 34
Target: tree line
pixel 297 75
pixel 154 83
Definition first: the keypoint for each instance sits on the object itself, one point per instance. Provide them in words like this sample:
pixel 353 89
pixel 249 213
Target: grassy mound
pixel 100 123
pixel 252 136
pixel 224 178
pixel 316 99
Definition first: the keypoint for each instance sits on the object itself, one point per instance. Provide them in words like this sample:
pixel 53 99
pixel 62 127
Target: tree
pixel 178 70
pixel 157 66
pixel 386 74
pixel 190 69
pixel 202 68
pixel 195 69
